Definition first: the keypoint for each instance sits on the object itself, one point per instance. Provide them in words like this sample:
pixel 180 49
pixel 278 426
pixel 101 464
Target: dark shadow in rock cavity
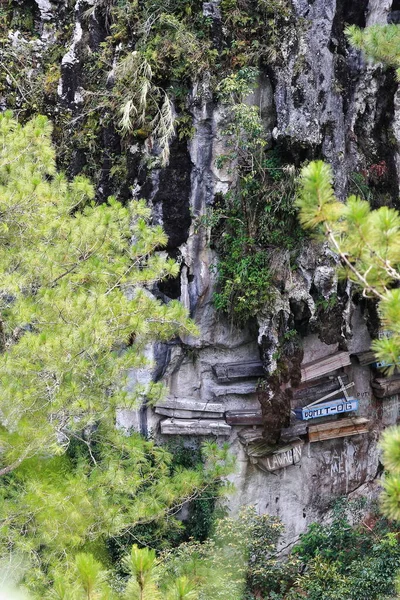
pixel 173 193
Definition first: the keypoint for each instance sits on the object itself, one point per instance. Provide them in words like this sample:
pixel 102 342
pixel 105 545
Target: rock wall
pixel 322 99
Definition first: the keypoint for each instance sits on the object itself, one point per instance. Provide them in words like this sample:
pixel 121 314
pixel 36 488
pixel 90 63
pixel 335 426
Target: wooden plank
pixel 338 429
pixel 192 405
pixel 365 358
pixel 325 365
pixel 230 371
pixel 306 395
pixel 243 388
pixel 327 409
pixel 244 417
pixel 194 427
pixel 386 386
pixel 187 414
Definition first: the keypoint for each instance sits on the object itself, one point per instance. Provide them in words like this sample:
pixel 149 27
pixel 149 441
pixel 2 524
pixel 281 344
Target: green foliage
pixel 244 277
pixel 75 319
pixel 258 213
pixel 66 268
pixel 347 559
pixel 239 555
pixel 379 42
pixel 366 240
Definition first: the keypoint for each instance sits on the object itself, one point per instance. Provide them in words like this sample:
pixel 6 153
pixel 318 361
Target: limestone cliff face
pixel 322 99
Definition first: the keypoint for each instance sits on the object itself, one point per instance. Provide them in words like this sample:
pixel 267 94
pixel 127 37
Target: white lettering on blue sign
pixel 336 407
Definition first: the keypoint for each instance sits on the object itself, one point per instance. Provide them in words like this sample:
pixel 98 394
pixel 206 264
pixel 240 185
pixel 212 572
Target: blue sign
pixel 382 365
pixel 335 407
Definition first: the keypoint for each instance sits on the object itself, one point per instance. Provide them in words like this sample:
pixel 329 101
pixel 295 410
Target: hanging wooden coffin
pixel 230 371
pixel 271 459
pixel 327 409
pixel 242 388
pixel 244 417
pixel 190 409
pixel 386 386
pixel 337 429
pixel 293 431
pixel 252 434
pixel 366 358
pixel 194 427
pixel 306 395
pixel 321 367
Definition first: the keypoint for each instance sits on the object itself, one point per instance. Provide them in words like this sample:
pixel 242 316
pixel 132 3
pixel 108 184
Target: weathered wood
pixel 338 429
pixel 328 364
pixel 250 435
pixel 306 395
pixel 271 459
pixel 243 388
pixel 327 409
pixel 294 431
pixel 194 427
pixel 187 414
pixel 386 386
pixel 244 417
pixel 190 409
pixel 365 358
pixel 230 371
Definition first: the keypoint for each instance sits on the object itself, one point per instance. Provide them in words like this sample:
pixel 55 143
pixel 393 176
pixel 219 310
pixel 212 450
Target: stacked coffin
pixel 322 393
pixel 385 387
pixel 327 398
pixel 192 417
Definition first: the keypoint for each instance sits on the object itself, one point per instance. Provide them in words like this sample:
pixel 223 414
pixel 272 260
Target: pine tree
pixel 379 42
pixel 75 317
pixel 368 244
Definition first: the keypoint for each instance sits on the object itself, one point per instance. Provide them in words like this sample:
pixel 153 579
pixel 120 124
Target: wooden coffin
pixel 365 358
pixel 327 409
pixel 246 436
pixel 338 429
pixel 230 371
pixel 318 368
pixel 271 459
pixel 299 428
pixel 386 386
pixel 244 417
pixel 243 388
pixel 306 395
pixel 190 409
pixel 195 427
